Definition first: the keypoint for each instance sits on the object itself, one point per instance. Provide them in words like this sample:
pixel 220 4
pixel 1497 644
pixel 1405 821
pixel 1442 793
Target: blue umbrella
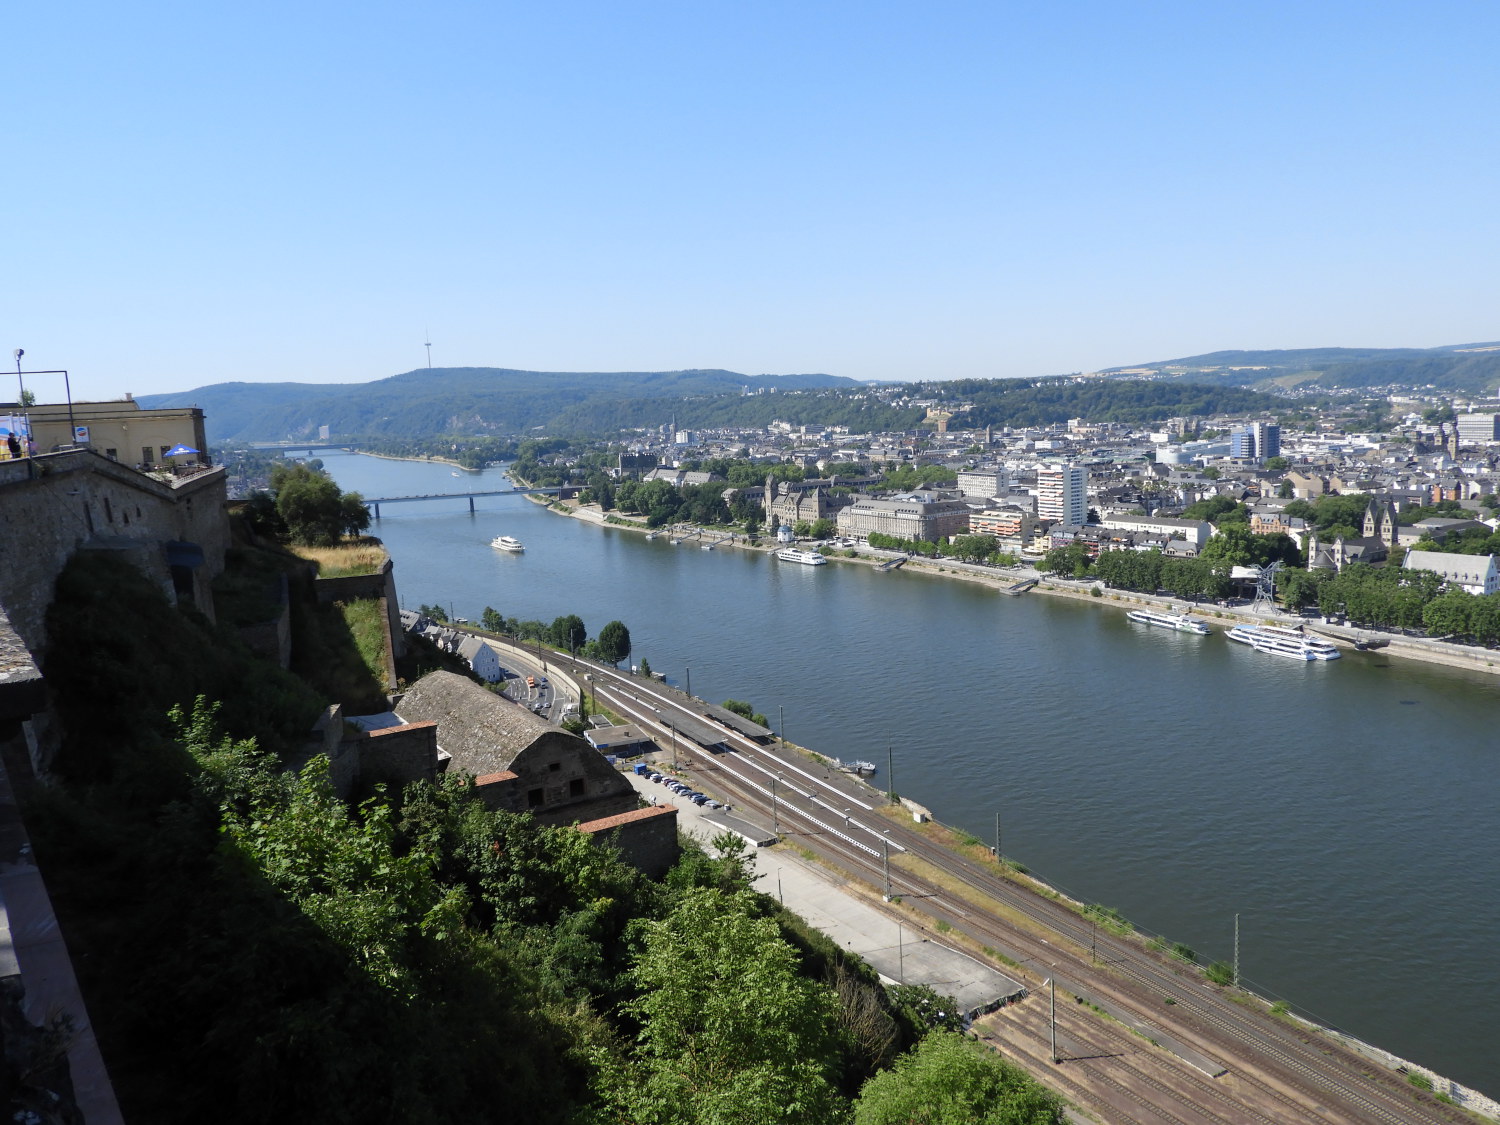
pixel 179 451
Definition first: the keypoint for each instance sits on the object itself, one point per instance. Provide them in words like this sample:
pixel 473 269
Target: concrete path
pixel 897 950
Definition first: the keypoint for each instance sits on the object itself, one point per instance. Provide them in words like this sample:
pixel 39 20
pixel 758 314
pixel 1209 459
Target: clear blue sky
pixel 200 192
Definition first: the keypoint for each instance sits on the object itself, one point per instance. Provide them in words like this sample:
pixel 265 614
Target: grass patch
pixel 1109 918
pixel 329 643
pixel 356 556
pixel 367 625
pixel 943 926
pixel 248 592
pixel 1220 972
pixel 1420 1081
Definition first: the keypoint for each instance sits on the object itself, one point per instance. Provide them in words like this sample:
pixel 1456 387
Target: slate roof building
pixel 521 763
pixel 1476 574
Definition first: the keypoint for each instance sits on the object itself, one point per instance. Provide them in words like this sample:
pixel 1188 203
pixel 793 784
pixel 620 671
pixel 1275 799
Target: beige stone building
pixel 918 515
pixel 120 430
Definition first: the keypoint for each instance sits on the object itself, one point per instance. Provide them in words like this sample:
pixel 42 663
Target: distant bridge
pixel 288 446
pixel 373 503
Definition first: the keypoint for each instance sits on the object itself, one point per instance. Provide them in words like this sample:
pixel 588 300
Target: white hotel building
pixel 1062 494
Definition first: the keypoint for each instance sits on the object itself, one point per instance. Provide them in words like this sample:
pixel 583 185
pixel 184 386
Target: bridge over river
pixel 373 503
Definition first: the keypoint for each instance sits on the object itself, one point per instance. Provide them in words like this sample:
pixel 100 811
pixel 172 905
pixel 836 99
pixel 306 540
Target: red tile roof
pixel 605 823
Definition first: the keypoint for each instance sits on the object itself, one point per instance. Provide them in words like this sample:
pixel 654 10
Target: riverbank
pixel 420 460
pixel 1421 649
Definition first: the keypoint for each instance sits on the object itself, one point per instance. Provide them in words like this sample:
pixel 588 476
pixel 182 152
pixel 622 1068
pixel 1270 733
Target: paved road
pixel 898 946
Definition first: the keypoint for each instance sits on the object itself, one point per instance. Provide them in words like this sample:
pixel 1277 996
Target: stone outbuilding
pixel 520 762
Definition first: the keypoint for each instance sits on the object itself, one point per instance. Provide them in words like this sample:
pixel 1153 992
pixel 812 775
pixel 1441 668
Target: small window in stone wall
pixel 553 767
pixel 533 798
pixel 112 454
pixel 575 787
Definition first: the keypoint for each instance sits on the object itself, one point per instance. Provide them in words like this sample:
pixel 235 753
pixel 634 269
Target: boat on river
pixel 507 543
pixel 1182 622
pixel 797 555
pixel 1278 640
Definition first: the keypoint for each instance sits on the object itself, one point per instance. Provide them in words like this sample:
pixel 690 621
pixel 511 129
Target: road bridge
pixel 288 446
pixel 373 503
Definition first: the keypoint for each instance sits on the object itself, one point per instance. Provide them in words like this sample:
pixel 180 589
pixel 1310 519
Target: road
pixel 1174 1047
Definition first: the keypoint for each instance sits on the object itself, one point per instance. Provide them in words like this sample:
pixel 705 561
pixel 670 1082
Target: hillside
pixel 254 949
pixel 472 400
pixel 1459 368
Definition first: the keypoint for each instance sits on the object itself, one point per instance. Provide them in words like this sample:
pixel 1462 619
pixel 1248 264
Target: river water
pixel 1343 810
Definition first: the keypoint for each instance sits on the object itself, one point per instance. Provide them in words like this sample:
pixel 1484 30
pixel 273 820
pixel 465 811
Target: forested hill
pixel 1045 402
pixel 489 400
pixel 1461 368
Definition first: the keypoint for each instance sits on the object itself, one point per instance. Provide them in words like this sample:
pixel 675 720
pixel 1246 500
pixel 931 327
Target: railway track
pixel 1278 1072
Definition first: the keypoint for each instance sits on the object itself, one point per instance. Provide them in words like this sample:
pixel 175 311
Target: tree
pixel 1070 561
pixel 1285 491
pixel 434 612
pixel 645 668
pixel 491 620
pixel 1276 464
pixel 613 642
pixel 313 509
pixel 730 1031
pixel 568 632
pixel 1450 614
pixel 1298 588
pixel 949 1080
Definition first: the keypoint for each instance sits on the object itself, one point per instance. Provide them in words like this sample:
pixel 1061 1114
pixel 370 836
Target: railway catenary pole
pixel 1052 980
pixel 1236 951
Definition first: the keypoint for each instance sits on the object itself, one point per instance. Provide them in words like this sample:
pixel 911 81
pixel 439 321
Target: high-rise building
pixel 1478 429
pixel 1256 441
pixel 1267 439
pixel 1062 493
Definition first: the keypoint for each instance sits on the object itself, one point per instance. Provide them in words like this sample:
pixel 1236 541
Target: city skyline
pixel 870 191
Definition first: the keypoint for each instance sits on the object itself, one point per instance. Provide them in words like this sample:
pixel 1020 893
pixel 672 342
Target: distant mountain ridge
pixel 476 399
pixel 508 402
pixel 1459 368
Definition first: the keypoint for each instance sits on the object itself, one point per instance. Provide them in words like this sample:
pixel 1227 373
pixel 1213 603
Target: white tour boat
pixel 1182 622
pixel 1278 640
pixel 507 543
pixel 797 555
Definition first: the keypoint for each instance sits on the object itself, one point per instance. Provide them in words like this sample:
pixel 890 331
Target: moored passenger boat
pixel 1182 622
pixel 1278 640
pixel 797 555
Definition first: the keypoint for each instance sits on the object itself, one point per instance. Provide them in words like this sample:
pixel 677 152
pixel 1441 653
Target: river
pixel 1339 809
